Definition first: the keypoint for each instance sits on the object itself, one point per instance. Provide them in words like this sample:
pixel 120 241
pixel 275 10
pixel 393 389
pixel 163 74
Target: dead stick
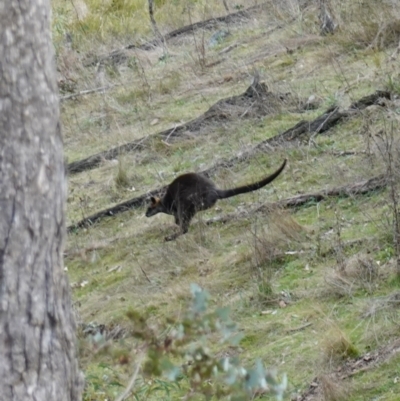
pixel 86 92
pixel 128 389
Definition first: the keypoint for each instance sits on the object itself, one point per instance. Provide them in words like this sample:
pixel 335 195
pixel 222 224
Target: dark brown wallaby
pixel 190 193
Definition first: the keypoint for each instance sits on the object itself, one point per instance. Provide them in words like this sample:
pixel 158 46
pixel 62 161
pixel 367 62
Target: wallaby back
pixel 227 193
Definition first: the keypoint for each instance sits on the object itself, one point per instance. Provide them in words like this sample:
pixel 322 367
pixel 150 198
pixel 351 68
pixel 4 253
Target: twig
pixel 299 328
pixel 228 49
pixel 128 389
pixel 167 138
pixel 86 92
pixel 246 111
pixel 350 153
pixel 141 268
pixel 317 131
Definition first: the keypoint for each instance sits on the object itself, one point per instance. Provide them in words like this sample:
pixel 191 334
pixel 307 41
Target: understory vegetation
pixel 309 266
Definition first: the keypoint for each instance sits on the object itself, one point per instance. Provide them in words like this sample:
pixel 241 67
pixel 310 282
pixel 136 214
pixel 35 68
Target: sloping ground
pixel 231 18
pixel 304 262
pixel 322 388
pixel 255 102
pixel 321 124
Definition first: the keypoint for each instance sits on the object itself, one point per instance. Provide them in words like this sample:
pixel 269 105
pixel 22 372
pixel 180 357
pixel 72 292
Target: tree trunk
pixel 38 358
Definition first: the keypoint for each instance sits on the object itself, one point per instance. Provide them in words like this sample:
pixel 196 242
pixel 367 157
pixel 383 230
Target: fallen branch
pixel 87 92
pixel 321 124
pixel 112 211
pixel 357 188
pixel 256 97
pixel 229 18
pixel 304 326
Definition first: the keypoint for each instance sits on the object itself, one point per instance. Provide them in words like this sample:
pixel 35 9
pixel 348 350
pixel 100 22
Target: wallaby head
pixel 190 193
pixel 156 206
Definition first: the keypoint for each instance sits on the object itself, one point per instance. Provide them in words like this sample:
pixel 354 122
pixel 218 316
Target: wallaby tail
pixel 227 193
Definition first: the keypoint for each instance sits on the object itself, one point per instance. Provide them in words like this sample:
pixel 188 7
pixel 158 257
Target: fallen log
pixel 357 188
pixel 256 100
pixel 321 124
pixel 133 203
pixel 353 189
pixel 209 23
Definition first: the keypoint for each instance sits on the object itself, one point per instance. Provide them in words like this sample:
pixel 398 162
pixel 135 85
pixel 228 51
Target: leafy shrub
pixel 187 352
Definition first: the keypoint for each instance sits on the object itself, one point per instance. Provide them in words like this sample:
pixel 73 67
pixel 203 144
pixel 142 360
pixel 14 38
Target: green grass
pixel 249 263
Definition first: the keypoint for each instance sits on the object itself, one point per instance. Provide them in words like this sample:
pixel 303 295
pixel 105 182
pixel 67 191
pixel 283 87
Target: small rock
pixel 84 283
pixel 266 312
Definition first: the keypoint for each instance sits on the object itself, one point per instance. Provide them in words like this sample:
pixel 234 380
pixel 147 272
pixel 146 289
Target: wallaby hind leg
pixel 183 230
pixel 183 222
pixel 175 235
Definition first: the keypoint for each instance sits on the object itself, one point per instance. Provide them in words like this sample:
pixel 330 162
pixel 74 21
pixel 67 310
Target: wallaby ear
pixel 154 200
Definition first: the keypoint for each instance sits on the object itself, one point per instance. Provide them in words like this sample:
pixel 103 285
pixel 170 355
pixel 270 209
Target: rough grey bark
pixel 38 359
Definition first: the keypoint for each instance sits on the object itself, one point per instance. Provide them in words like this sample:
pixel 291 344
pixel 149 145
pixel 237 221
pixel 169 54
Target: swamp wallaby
pixel 190 193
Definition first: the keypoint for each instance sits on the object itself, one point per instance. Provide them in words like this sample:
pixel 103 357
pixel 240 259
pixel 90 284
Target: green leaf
pixel 235 339
pixel 223 313
pixel 200 298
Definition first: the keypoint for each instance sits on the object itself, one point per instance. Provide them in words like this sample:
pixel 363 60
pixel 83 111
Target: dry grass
pixel 121 179
pixel 272 239
pixel 360 271
pixel 254 261
pixel 382 304
pixel 333 390
pixel 336 347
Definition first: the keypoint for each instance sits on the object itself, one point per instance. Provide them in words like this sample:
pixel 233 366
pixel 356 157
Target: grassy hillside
pixel 314 288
